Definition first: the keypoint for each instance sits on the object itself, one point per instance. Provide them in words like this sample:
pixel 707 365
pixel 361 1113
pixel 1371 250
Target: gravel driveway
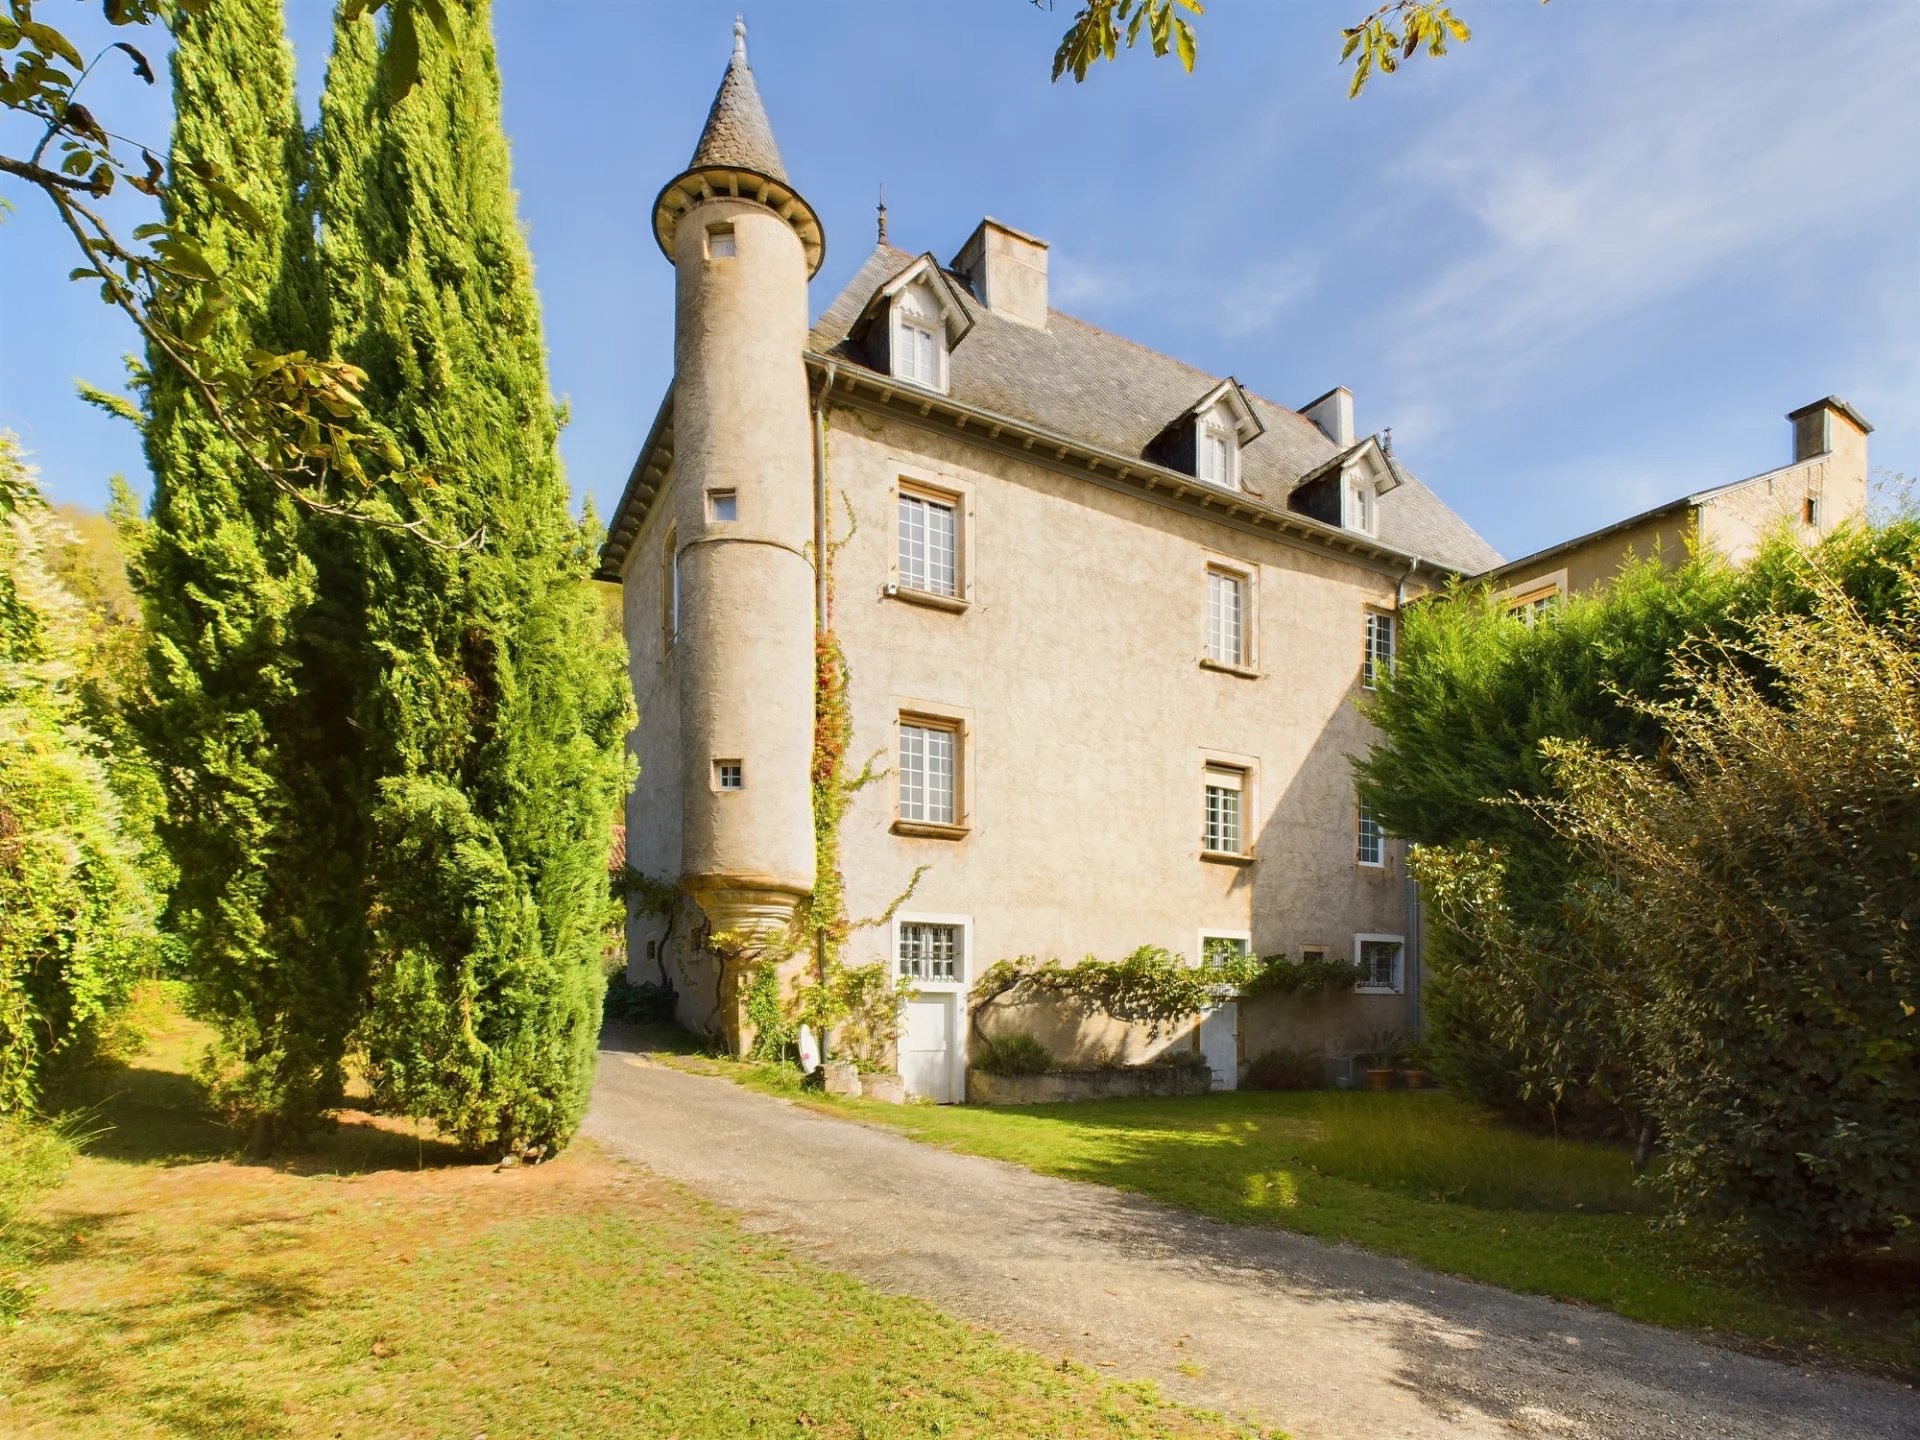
pixel 1330 1342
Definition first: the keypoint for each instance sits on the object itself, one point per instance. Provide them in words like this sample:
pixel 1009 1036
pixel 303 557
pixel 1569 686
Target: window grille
pixel 928 553
pixel 1220 827
pixel 1379 965
pixel 927 773
pixel 1226 618
pixel 1371 841
pixel 1378 659
pixel 930 952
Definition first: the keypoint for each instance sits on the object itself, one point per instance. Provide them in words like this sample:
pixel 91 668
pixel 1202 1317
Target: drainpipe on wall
pixel 1416 921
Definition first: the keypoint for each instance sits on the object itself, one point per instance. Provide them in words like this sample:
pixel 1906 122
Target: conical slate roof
pixel 737 133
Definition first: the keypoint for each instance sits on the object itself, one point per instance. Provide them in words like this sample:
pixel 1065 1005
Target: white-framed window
pixel 1370 841
pixel 1382 962
pixel 929 543
pixel 729 775
pixel 1226 616
pixel 931 949
pixel 929 771
pixel 670 591
pixel 1362 505
pixel 1222 824
pixel 723 504
pixel 1217 455
pixel 1377 657
pixel 720 242
pixel 1532 609
pixel 1221 945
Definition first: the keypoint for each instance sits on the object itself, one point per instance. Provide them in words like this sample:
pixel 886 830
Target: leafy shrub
pixel 1015 1053
pixel 76 918
pixel 644 1002
pixel 1284 1069
pixel 1763 877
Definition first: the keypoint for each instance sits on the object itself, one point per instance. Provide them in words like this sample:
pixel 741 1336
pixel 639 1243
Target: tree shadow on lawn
pixel 146 1114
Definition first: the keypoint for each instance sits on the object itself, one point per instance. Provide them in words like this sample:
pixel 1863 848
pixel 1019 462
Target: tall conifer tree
pixel 246 720
pixel 495 702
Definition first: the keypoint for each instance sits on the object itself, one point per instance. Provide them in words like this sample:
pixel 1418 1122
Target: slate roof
pixel 1087 384
pixel 738 134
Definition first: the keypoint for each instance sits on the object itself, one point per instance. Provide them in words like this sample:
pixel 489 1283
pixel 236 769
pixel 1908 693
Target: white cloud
pixel 1726 144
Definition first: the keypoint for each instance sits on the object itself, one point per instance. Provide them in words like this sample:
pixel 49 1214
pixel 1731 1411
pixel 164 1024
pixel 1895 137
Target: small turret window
pixel 723 505
pixel 720 242
pixel 729 775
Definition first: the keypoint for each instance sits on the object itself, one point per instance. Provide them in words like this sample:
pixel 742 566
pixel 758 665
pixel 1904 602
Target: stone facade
pixel 1096 514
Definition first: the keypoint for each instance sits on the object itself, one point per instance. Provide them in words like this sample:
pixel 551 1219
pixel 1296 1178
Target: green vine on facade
pixel 1152 986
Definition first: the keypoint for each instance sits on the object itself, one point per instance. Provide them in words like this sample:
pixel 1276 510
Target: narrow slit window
pixel 929 545
pixel 1222 830
pixel 1226 617
pixel 929 773
pixel 720 244
pixel 1810 510
pixel 670 591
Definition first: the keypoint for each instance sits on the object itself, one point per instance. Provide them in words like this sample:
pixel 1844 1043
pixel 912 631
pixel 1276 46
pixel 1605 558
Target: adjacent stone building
pixel 1107 619
pixel 1821 489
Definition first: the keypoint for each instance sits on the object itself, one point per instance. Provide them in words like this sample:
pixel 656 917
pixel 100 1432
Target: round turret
pixel 743 244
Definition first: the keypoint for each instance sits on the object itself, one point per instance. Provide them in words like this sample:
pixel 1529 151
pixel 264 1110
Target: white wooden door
pixel 1220 1044
pixel 926 1048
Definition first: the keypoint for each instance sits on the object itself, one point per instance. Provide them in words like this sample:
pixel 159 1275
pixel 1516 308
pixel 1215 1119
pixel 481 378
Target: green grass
pixel 368 1287
pixel 1424 1176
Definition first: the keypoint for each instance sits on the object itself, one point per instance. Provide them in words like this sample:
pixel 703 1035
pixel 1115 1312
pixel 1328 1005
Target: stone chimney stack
pixel 1007 271
pixel 1333 413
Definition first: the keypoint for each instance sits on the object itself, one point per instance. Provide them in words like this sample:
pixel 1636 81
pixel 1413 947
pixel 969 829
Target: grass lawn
pixel 1425 1176
pixel 372 1287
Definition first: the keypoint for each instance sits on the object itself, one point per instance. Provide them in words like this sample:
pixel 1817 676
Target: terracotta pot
pixel 1379 1079
pixel 1414 1079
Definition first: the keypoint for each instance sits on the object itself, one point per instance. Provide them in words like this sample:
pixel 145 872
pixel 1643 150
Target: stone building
pixel 1823 487
pixel 1107 619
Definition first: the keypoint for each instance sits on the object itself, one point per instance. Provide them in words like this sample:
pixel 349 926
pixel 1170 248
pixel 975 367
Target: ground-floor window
pixel 1382 963
pixel 930 951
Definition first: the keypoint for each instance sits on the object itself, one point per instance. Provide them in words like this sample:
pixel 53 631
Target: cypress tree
pixel 246 718
pixel 494 699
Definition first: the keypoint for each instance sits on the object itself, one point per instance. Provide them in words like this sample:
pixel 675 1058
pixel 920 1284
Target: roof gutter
pixel 820 500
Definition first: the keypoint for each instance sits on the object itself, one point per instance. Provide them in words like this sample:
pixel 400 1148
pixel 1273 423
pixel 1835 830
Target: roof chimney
pixel 1333 413
pixel 1815 433
pixel 1007 270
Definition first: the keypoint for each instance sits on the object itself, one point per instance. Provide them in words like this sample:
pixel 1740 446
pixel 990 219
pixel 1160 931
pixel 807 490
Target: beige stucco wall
pixel 1088 718
pixel 1598 561
pixel 1736 520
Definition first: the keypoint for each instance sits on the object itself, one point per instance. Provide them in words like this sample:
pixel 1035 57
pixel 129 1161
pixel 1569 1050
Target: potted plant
pixel 1382 1047
pixel 1413 1065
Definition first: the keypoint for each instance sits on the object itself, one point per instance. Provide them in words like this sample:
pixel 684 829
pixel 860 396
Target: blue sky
pixel 1582 264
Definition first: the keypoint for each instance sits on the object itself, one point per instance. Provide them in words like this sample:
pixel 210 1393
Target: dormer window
pixel 1206 440
pixel 1218 455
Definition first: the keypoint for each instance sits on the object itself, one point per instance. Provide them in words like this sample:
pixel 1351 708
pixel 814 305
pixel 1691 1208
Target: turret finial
pixel 740 38
pixel 883 214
